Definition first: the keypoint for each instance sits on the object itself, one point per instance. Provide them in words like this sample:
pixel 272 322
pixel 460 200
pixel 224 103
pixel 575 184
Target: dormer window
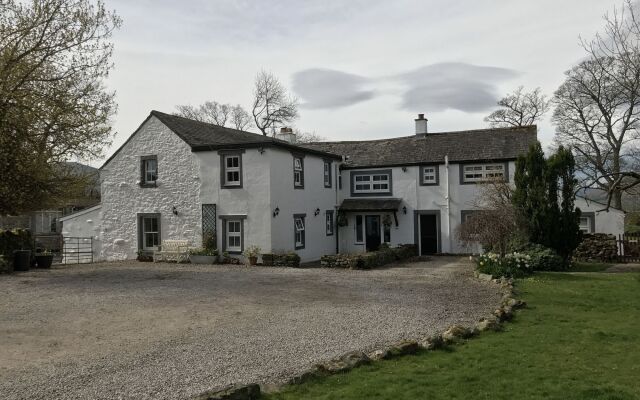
pixel 148 171
pixel 231 169
pixel 298 172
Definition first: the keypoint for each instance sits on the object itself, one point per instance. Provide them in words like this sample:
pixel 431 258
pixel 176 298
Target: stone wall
pixel 597 247
pixel 368 260
pixel 281 260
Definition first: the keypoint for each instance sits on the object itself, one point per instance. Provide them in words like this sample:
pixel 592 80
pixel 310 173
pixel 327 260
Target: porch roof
pixel 390 204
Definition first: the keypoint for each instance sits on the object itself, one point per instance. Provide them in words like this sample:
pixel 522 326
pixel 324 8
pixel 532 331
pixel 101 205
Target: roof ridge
pixel 156 112
pixel 488 130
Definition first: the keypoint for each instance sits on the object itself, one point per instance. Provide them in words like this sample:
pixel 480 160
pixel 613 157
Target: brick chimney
pixel 287 135
pixel 421 125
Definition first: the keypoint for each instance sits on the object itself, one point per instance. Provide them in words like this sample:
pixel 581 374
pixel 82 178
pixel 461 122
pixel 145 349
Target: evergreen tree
pixel 544 199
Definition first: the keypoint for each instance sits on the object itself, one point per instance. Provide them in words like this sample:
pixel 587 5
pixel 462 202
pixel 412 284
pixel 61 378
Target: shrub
pixel 541 258
pixel 15 239
pixel 203 252
pixel 512 265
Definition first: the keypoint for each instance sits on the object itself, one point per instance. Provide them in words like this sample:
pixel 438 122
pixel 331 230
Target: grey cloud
pixel 326 88
pixel 458 86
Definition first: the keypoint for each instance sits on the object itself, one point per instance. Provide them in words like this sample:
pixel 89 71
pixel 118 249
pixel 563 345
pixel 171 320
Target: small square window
pixel 232 170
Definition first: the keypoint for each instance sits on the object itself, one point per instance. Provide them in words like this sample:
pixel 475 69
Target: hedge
pixel 281 260
pixel 14 239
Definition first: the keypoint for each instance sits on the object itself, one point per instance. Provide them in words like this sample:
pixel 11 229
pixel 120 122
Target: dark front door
pixel 372 223
pixel 428 234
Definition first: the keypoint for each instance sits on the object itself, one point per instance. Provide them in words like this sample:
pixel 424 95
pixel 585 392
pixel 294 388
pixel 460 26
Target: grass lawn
pixel 578 339
pixel 590 266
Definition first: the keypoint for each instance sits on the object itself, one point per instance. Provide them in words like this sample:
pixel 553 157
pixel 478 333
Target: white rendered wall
pixel 301 201
pixel 122 198
pixel 86 223
pixel 611 221
pixel 251 200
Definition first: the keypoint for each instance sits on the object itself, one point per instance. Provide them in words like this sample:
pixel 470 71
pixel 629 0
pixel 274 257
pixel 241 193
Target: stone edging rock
pixel 353 359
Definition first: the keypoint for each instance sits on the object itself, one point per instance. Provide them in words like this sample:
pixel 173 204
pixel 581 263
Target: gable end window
pixel 327 173
pixel 148 171
pixel 299 230
pixel 478 173
pixel 230 169
pixel 329 222
pixel 429 175
pixel 371 183
pixel 298 171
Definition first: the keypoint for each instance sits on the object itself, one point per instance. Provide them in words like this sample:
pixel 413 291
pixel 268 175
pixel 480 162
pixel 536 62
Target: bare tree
pixel 216 113
pixel 598 107
pixel 495 220
pixel 239 118
pixel 54 57
pixel 273 107
pixel 308 137
pixel 519 108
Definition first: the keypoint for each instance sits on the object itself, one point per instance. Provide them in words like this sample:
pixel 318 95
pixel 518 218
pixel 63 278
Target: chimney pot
pixel 421 125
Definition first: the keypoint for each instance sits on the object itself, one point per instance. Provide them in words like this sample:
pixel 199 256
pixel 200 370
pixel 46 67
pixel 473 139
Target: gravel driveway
pixel 148 331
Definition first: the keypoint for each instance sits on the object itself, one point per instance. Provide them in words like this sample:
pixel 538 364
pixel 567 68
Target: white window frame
pixel 150 170
pixel 233 234
pixel 329 222
pixel 370 181
pixel 228 169
pixel 298 172
pixel 146 232
pixel 590 226
pixel 433 173
pixel 482 172
pixel 299 231
pixel 327 174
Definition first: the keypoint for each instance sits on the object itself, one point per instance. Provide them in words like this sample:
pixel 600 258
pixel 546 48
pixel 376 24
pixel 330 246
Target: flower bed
pixel 281 260
pixel 512 265
pixel 368 260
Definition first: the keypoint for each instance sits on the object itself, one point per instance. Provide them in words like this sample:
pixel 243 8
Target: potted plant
pixel 252 253
pixel 21 260
pixel 203 256
pixel 44 259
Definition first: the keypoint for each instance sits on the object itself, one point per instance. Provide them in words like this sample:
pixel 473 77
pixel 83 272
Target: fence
pixel 629 247
pixel 77 250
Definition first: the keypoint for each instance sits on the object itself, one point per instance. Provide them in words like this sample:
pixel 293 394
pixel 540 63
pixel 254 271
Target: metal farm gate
pixel 77 250
pixel 629 247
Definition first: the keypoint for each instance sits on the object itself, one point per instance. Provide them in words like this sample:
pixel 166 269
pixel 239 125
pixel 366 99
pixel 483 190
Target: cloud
pixel 457 86
pixel 327 88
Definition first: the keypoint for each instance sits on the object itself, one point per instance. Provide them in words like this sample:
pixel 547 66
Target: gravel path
pixel 165 331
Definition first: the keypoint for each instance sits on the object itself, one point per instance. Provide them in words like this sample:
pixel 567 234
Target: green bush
pixel 203 252
pixel 543 258
pixel 5 267
pixel 512 265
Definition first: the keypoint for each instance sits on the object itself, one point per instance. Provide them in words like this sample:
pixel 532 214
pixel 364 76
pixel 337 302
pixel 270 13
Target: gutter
pixel 448 198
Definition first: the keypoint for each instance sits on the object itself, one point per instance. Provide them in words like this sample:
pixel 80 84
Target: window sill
pixel 148 185
pixel 231 186
pixel 299 247
pixel 298 187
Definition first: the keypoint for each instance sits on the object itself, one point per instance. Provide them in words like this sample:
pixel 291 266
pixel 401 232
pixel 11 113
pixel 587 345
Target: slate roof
pixel 202 136
pixel 390 204
pixel 473 145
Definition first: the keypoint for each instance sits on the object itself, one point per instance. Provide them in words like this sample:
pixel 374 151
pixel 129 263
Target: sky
pixel 360 69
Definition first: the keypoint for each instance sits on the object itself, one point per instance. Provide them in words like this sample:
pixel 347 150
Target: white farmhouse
pixel 176 178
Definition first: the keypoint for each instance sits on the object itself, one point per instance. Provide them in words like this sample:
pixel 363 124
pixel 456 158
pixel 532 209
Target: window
pixel 371 183
pixel 327 174
pixel 149 231
pixel 329 222
pixel 340 182
pixel 232 170
pixel 299 229
pixel 148 171
pixel 234 235
pixel 359 229
pixel 298 172
pixel 587 222
pixel 482 172
pixel 429 175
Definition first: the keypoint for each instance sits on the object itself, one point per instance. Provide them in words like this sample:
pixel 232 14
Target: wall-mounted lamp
pixel 404 169
pixel 316 212
pixel 174 210
pixel 276 212
pixel 404 209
